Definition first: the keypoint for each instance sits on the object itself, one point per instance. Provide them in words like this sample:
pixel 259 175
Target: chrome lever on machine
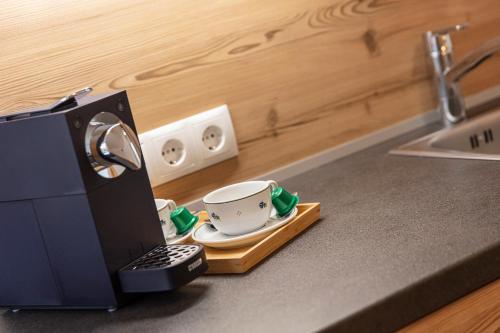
pixel 440 48
pixel 119 144
pixel 111 146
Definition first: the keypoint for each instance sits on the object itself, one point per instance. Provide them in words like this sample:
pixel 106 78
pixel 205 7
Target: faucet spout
pixel 471 61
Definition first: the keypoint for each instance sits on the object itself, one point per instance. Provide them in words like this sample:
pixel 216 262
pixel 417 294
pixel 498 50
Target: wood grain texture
pixel 240 260
pixel 478 312
pixel 299 76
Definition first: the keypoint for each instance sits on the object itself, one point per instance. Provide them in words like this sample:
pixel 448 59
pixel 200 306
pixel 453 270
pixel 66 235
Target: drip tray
pixel 166 267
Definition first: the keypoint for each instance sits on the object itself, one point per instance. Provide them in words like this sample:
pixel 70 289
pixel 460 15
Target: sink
pixel 477 138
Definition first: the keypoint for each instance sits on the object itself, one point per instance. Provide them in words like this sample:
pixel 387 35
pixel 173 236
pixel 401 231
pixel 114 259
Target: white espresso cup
pixel 164 208
pixel 240 208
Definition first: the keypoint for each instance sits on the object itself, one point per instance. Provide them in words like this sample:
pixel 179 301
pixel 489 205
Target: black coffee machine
pixel 78 223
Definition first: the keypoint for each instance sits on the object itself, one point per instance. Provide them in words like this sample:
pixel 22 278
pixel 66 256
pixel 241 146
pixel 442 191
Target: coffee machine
pixel 78 223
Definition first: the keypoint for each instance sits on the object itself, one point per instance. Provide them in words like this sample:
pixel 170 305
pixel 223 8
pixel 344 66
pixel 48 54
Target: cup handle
pixel 171 205
pixel 273 184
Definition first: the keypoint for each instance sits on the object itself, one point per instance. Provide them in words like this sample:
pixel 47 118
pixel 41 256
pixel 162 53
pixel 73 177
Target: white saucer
pixel 207 235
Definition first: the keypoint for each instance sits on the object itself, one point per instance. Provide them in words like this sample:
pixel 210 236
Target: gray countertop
pixel 399 238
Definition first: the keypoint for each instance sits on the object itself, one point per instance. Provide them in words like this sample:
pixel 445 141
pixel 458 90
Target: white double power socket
pixel 188 145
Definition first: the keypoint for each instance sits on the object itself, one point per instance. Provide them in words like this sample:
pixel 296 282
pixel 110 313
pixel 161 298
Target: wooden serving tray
pixel 242 259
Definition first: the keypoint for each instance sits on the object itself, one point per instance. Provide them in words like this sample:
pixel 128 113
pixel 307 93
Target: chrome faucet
pixel 448 74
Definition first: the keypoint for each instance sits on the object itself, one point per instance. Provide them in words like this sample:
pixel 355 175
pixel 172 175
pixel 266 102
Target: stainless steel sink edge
pixel 422 147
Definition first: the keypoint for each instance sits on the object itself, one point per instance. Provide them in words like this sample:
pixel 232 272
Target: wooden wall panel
pixel 299 76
